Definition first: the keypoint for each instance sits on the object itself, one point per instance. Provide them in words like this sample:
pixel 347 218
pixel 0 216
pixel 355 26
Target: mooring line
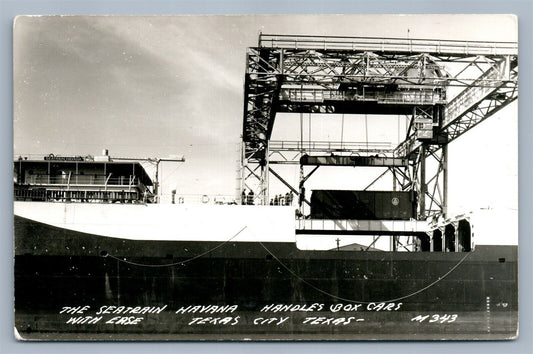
pixel 358 301
pixel 178 263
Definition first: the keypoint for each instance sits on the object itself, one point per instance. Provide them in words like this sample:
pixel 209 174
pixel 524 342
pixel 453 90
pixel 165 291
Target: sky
pixel 154 86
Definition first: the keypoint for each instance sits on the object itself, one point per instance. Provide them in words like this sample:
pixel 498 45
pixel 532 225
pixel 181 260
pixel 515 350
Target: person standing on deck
pixel 250 200
pixel 243 198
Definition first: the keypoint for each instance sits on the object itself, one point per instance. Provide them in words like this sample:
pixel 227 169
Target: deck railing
pixel 78 179
pixel 406 45
pixel 370 226
pixel 63 195
pixel 316 146
pixel 307 95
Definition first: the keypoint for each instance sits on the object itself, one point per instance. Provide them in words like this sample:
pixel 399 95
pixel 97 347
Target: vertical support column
pixel 156 182
pixel 423 186
pixel 281 61
pixel 444 163
pixel 301 188
pixel 506 68
pixel 394 243
pixel 301 191
pixel 242 166
pixel 264 183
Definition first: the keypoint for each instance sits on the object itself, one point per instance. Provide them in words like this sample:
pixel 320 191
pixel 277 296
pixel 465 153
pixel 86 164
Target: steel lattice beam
pixel 474 104
pixel 376 76
pixel 279 80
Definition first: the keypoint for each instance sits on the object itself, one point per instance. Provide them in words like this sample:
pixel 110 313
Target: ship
pixel 96 255
pixel 99 255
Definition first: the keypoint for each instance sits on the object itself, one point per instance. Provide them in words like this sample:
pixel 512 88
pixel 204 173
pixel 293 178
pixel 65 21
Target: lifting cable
pixel 309 137
pixel 366 132
pixel 342 130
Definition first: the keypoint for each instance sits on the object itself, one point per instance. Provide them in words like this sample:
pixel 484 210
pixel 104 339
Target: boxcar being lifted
pixel 363 205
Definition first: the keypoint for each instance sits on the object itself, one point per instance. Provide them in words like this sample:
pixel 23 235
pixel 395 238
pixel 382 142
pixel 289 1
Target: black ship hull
pixel 81 286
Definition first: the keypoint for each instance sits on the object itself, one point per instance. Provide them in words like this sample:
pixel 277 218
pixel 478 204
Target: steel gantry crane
pixel 444 87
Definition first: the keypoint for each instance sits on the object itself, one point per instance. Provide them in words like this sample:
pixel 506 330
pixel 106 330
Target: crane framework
pixel 372 76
